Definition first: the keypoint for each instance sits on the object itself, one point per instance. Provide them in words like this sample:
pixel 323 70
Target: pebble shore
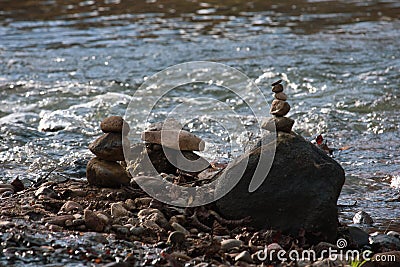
pixel 72 223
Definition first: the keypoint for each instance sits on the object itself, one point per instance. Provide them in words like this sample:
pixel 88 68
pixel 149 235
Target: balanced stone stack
pixel 169 149
pixel 105 169
pixel 278 109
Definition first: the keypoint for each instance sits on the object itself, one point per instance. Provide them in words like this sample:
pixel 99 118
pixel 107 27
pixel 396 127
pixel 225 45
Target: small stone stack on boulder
pixel 279 109
pixel 165 144
pixel 105 170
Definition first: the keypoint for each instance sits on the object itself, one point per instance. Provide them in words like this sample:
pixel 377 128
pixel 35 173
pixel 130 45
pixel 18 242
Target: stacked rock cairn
pixel 106 169
pixel 169 137
pixel 279 109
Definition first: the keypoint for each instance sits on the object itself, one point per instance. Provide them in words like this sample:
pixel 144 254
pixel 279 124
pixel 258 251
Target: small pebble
pixel 45 191
pixel 93 222
pixel 71 206
pixel 230 243
pixel 244 256
pixel 176 238
pixel 118 210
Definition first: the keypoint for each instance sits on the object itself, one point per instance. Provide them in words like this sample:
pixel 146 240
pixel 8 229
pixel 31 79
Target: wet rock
pixel 176 238
pixel 277 88
pixel 279 108
pixel 379 241
pixel 93 222
pixel 244 256
pixel 114 124
pixel 362 217
pixel 178 140
pixel 273 124
pixel 300 190
pixel 229 244
pixel 106 173
pixel 281 96
pixel 108 147
pixel 58 220
pixel 118 210
pixel 71 206
pixel 46 191
pixel 358 236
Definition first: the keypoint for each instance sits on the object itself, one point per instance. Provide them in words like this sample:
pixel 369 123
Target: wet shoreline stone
pixel 108 147
pixel 106 173
pixel 114 124
pixel 147 231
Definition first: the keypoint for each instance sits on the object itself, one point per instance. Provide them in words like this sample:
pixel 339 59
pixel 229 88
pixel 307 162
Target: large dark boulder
pixel 299 192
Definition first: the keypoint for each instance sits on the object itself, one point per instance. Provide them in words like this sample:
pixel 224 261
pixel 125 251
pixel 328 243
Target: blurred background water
pixel 65 65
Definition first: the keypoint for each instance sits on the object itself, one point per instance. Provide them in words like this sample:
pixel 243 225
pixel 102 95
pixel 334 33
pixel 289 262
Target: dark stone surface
pixel 106 173
pixel 114 124
pixel 299 192
pixel 278 124
pixel 158 160
pixel 108 147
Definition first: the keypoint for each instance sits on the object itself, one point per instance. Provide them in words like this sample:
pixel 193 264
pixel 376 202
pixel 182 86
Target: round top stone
pixel 276 83
pixel 114 124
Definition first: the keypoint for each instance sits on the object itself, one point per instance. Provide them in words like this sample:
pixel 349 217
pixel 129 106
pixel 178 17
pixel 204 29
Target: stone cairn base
pixel 105 170
pixel 167 149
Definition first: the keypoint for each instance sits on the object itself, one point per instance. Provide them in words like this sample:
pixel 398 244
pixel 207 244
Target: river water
pixel 65 65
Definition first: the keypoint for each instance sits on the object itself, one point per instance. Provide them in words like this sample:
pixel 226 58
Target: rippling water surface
pixel 65 65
